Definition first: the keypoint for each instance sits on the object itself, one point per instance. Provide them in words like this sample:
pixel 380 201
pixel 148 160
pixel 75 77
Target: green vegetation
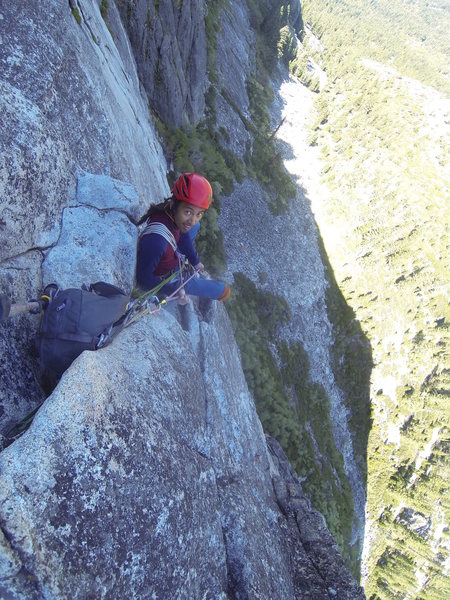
pixel 271 21
pixel 76 14
pixel 412 38
pixel 292 408
pixel 274 37
pixel 104 7
pixel 266 164
pixel 287 45
pixel 384 147
pixel 352 363
pixel 299 66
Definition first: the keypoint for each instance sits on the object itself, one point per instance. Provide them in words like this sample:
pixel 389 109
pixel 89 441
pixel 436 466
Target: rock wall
pixel 235 63
pixel 149 476
pixel 59 116
pixel 169 44
pixel 71 103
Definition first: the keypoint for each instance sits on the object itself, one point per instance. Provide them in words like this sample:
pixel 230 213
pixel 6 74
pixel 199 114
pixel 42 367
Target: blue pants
pixel 204 288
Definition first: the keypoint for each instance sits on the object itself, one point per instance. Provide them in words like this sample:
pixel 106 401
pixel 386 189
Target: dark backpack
pixel 75 320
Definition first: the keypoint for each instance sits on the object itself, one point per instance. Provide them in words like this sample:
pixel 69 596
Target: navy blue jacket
pixel 155 256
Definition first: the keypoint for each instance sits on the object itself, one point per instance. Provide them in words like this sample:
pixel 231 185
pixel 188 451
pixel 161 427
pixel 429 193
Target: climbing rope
pixel 149 303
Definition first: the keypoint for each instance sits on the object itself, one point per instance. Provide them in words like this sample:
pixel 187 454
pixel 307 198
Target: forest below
pixel 383 130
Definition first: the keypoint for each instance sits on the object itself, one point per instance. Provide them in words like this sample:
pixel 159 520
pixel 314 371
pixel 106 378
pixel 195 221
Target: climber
pixel 170 230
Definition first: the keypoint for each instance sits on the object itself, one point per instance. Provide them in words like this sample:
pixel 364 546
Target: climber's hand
pixel 182 297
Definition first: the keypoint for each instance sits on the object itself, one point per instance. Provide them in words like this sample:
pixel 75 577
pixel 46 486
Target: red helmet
pixel 193 189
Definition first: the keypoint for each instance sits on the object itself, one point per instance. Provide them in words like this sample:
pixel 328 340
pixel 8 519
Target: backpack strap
pixel 105 289
pixel 162 230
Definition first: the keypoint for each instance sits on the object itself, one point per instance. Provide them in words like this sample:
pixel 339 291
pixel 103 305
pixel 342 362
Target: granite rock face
pixel 20 390
pixel 71 104
pixel 235 63
pixel 169 44
pixel 97 242
pixel 144 476
pixel 67 104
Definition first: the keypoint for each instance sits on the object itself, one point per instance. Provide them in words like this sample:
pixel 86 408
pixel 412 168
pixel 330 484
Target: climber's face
pixel 186 216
